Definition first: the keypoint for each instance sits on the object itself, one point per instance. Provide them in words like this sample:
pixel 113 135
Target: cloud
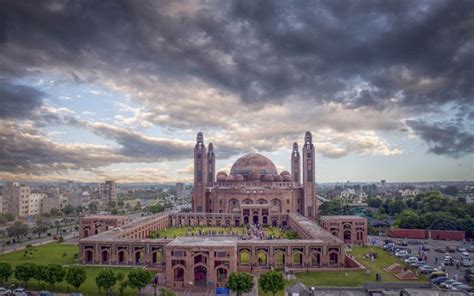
pixel 444 139
pixel 18 101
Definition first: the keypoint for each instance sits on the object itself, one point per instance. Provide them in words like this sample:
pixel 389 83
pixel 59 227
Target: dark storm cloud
pixel 18 101
pixel 261 50
pixel 444 139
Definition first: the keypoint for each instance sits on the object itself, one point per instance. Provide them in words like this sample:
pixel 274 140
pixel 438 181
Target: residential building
pixel 35 203
pixel 16 199
pixel 53 201
pixel 108 191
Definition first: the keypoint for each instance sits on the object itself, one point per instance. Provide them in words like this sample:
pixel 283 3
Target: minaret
pixel 211 165
pixel 309 187
pixel 295 164
pixel 200 175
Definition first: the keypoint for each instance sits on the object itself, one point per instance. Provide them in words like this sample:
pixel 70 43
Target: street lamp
pixel 312 291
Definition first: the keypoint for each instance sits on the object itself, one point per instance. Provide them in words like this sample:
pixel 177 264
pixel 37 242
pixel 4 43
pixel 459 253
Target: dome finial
pixel 199 138
pixel 308 137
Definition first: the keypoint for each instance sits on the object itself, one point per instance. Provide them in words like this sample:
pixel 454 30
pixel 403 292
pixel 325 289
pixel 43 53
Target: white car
pixel 453 286
pixel 411 259
pixel 466 262
pixel 401 253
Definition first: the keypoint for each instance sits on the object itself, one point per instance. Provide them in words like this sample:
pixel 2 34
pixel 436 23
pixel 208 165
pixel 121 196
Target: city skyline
pixel 93 91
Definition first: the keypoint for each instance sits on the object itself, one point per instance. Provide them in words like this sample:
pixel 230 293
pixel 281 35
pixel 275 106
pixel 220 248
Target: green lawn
pixel 173 232
pixel 352 278
pixel 53 253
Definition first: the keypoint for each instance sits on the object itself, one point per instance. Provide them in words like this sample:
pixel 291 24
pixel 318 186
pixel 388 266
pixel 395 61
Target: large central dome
pixel 253 162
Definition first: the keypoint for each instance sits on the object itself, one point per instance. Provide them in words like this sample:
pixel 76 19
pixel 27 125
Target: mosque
pixel 253 194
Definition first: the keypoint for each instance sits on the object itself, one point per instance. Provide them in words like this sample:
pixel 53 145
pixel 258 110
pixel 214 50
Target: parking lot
pixel 431 255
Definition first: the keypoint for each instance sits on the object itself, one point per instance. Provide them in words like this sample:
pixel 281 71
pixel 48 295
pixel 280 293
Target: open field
pixel 173 232
pixel 353 278
pixel 60 254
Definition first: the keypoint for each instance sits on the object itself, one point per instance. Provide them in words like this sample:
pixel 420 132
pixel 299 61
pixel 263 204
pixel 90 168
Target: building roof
pixel 207 241
pixel 335 217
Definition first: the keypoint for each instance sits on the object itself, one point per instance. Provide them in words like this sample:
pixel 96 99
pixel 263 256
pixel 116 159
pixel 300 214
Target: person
pixel 436 260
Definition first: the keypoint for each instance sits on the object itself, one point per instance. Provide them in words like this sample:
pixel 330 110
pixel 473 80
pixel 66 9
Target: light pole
pixel 312 291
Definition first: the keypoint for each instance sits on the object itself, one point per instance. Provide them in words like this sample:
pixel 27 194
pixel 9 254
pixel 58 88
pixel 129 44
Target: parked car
pixel 460 249
pixel 447 283
pixel 418 264
pixel 470 248
pixel 401 254
pixel 411 259
pixel 4 291
pixel 439 280
pixel 438 250
pixel 425 248
pixel 388 246
pixel 426 269
pixel 45 293
pixel 450 249
pixel 453 286
pixel 20 292
pixel 438 274
pixel 466 262
pixel 465 255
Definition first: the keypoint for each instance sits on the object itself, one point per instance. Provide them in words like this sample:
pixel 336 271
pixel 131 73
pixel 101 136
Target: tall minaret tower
pixel 211 165
pixel 200 175
pixel 310 206
pixel 295 164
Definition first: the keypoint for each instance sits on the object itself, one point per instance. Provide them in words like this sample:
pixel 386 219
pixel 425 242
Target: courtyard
pixel 242 232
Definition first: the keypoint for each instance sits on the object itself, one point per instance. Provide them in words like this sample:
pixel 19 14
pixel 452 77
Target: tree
pixel 25 271
pixel 40 274
pixel 41 225
pixel 105 279
pixel 75 276
pixel 123 284
pixel 93 207
pixel 54 273
pixel 138 279
pixel 240 282
pixel 17 230
pixel 68 210
pixel 29 249
pixel 5 271
pixel 271 281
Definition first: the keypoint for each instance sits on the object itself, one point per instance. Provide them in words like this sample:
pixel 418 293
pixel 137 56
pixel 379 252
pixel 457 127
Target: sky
pixel 117 90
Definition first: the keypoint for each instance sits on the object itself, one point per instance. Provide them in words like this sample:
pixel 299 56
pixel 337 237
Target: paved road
pixel 431 255
pixel 35 242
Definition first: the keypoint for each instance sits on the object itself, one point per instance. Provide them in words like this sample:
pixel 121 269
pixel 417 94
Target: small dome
pixel 221 178
pixel 285 173
pixel 268 178
pixel 230 178
pixel 278 178
pixel 254 175
pixel 239 178
pixel 222 173
pixel 286 178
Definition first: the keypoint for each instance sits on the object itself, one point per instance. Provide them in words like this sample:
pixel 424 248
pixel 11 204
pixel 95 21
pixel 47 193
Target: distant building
pixel 16 199
pixel 470 199
pixel 406 192
pixel 108 190
pixel 53 201
pixel 36 200
pixel 180 190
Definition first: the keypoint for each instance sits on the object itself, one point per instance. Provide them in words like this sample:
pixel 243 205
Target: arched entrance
pixel 244 257
pixel 315 259
pixel 274 223
pixel 89 256
pixel 237 223
pixel 105 256
pixel 246 219
pixel 121 256
pixel 255 219
pixel 156 257
pixel 221 273
pixel 347 235
pixel 262 258
pixel 200 275
pixel 178 274
pixel 279 258
pixel 333 258
pixel 264 220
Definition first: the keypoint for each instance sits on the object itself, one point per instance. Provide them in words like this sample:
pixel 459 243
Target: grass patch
pixel 54 253
pixel 351 278
pixel 174 232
